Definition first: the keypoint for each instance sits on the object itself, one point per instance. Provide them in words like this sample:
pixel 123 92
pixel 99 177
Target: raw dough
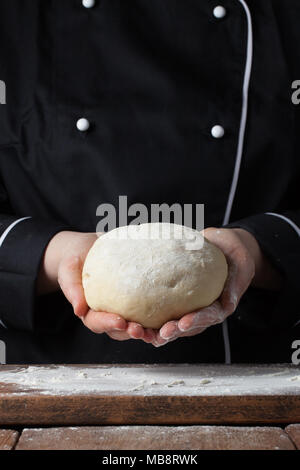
pixel 152 273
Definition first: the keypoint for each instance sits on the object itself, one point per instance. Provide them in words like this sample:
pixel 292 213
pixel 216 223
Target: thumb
pixel 70 281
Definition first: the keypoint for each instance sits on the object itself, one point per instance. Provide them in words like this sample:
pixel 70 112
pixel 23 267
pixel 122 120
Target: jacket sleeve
pixel 279 238
pixel 22 244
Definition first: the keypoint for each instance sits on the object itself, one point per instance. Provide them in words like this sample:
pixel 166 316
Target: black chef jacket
pixel 153 78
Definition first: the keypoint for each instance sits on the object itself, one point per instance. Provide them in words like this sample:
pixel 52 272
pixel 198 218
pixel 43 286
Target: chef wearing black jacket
pixel 163 101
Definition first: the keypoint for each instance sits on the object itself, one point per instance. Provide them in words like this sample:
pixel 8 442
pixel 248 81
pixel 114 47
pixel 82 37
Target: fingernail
pixel 193 328
pixel 172 335
pixel 183 329
pixel 167 337
pixel 158 345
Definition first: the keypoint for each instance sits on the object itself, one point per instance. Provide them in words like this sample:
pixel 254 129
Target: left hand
pixel 246 265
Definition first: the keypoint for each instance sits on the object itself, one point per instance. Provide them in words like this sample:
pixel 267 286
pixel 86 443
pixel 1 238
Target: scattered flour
pixel 205 381
pixel 176 382
pixel 148 380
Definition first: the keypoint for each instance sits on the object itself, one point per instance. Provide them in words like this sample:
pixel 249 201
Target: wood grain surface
pixel 8 439
pixel 26 401
pixel 97 410
pixel 155 438
pixel 293 430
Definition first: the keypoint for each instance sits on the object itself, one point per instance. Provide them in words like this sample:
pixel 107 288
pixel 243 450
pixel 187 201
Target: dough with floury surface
pixel 153 273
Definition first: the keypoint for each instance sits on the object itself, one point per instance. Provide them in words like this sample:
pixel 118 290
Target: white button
pixel 218 132
pixel 219 12
pixel 88 3
pixel 83 125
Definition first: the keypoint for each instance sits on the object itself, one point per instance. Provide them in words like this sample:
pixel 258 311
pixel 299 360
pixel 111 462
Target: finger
pixel 169 330
pixel 192 332
pixel 135 330
pixel 69 279
pixel 123 336
pixel 159 341
pixel 240 264
pixel 101 322
pixel 208 316
pixel 149 335
pixel 231 295
pixel 118 335
pixel 239 278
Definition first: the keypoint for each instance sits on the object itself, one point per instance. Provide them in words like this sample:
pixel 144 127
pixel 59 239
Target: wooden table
pixel 150 407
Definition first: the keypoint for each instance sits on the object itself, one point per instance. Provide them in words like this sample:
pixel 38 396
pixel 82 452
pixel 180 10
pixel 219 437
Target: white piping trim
pixel 286 219
pixel 3 237
pixel 240 149
pixel 243 116
pixel 6 232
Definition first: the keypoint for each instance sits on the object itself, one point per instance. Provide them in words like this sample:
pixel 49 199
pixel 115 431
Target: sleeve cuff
pixel 22 245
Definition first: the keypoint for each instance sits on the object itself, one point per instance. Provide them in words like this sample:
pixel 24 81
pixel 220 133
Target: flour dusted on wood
pixel 184 380
pixel 153 273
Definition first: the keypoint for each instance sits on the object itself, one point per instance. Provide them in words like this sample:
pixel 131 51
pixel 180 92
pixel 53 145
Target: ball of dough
pixel 153 273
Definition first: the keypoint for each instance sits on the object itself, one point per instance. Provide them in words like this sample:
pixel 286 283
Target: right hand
pixel 61 268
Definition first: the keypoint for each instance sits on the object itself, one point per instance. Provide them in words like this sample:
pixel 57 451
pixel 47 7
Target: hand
pixel 246 265
pixel 61 267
